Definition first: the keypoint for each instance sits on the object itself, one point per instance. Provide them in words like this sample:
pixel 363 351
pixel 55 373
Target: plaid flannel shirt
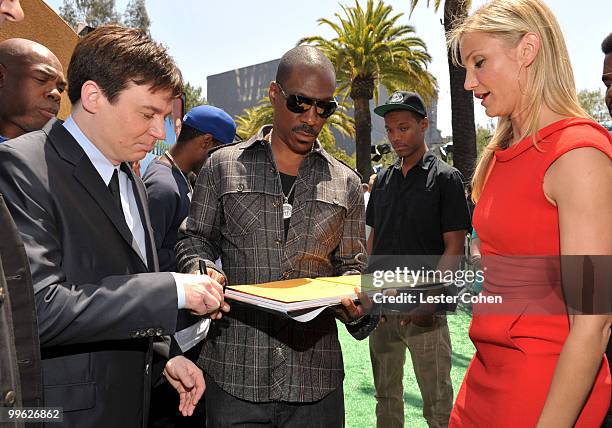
pixel 236 213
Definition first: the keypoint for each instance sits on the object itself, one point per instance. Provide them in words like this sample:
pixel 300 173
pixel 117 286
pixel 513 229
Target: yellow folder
pixel 304 289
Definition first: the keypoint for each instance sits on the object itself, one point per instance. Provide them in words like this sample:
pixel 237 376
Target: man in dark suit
pixel 84 221
pixel 20 371
pixel 17 321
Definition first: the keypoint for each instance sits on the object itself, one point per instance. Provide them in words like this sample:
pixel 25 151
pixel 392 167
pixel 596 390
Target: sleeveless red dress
pixel 508 379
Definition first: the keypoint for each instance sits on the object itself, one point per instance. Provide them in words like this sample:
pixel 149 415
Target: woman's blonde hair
pixel 550 80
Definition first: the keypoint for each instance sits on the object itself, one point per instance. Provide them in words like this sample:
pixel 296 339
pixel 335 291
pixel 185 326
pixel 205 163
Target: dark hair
pixel 112 56
pixel 188 133
pixel 606 45
pixel 302 55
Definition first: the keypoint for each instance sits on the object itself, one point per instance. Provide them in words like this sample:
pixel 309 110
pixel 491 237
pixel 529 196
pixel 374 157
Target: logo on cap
pixel 397 97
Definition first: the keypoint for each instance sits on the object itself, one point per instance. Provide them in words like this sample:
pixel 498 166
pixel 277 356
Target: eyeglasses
pixel 300 104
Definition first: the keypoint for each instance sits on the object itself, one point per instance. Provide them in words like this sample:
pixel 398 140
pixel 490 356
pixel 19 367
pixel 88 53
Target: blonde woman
pixel 543 187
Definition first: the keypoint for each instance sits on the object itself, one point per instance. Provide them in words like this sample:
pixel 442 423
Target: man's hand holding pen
pixel 204 292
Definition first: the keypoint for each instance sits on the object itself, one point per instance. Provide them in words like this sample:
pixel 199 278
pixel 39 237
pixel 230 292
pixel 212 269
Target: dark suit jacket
pixel 98 306
pixel 10 386
pixel 20 366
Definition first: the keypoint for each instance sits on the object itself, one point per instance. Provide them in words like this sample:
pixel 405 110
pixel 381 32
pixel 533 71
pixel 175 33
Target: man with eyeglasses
pixel 276 207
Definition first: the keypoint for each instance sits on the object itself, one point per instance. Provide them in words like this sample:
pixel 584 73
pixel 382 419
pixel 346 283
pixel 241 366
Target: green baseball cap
pixel 401 100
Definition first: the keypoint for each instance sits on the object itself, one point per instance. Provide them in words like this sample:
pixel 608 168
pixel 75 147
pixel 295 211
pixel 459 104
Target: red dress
pixel 509 377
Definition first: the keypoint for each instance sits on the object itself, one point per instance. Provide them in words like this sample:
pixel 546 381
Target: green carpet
pixel 359 393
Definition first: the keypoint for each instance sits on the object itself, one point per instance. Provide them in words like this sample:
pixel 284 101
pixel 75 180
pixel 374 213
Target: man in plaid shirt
pixel 275 207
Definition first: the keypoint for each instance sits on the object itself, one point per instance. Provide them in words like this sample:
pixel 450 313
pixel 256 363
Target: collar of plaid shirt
pixel 264 133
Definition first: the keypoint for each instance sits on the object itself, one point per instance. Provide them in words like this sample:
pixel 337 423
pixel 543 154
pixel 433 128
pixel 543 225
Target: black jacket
pixel 98 304
pixel 20 367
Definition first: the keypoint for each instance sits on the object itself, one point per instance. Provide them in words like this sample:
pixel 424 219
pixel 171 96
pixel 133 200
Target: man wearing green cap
pixel 417 211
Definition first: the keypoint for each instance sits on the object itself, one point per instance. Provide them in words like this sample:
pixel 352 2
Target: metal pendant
pixel 287 210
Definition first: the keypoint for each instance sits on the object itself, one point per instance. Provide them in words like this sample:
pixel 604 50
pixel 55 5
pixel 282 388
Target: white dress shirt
pixel 128 200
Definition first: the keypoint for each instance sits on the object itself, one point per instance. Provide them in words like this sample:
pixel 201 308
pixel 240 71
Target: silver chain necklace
pixel 287 207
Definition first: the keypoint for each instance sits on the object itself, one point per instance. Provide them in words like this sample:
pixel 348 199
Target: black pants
pixel 224 410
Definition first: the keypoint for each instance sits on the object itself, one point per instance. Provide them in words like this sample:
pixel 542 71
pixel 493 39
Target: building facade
pixel 236 90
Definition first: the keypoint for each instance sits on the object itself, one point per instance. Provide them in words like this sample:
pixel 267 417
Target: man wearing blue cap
pixel 167 178
pixel 169 191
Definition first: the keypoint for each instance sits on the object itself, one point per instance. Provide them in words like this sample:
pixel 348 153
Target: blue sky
pixel 209 37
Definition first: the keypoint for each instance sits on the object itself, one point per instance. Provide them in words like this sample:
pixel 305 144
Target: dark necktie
pixel 113 186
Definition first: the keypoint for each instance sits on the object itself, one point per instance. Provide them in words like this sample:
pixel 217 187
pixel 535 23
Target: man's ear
pixel 207 141
pixel 528 48
pixel 92 97
pixel 178 125
pixel 272 92
pixel 424 124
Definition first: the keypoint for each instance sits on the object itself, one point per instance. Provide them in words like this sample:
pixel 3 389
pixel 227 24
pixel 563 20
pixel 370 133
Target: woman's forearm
pixel 578 365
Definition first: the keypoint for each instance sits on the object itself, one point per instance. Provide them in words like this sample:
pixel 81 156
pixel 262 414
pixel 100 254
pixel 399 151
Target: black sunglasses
pixel 300 104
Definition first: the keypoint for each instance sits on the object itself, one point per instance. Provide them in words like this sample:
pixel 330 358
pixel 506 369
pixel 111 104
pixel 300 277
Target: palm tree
pixel 371 49
pixel 462 102
pixel 253 118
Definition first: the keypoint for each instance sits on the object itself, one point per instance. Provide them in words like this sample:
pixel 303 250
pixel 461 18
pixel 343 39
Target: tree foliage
pixel 483 136
pixel 462 101
pixel 370 45
pixel 371 48
pixel 136 15
pixel 91 12
pixel 593 103
pixel 193 96
pixel 101 12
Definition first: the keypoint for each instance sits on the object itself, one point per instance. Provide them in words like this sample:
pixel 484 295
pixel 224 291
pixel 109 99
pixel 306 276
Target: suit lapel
pixel 143 208
pixel 86 174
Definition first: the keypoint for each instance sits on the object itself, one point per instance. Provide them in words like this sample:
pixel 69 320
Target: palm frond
pixel 370 44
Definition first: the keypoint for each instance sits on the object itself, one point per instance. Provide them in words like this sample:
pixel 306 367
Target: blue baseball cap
pixel 212 120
